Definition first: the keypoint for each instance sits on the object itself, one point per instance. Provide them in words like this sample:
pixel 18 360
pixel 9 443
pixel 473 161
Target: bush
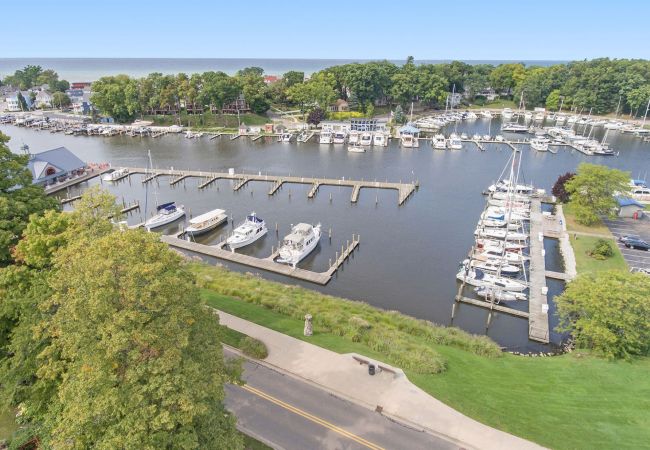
pixel 253 347
pixel 602 250
pixel 345 115
pixel 559 189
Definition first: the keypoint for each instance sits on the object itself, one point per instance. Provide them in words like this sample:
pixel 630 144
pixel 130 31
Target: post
pixel 330 197
pixel 308 330
pixel 453 311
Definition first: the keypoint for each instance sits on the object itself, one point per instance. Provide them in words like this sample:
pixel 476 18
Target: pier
pixel 538 329
pixel 53 188
pixel 405 190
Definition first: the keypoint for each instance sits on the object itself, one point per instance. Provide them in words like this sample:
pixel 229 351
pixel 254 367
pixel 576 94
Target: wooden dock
pixel 177 180
pixel 538 328
pixel 492 306
pixel 74 181
pixel 405 190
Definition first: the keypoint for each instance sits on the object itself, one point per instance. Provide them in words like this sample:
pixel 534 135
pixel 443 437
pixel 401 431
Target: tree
pixel 316 116
pixel 398 114
pixel 292 77
pixel 254 89
pixel 559 188
pixel 22 102
pixel 256 72
pixel 431 87
pixel 506 76
pixel 317 92
pixel 117 96
pixel 19 198
pixel 553 100
pixel 608 312
pixel 592 191
pixel 60 99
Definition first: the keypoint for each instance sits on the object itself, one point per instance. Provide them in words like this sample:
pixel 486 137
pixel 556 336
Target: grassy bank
pixel 497 104
pixel 8 424
pixel 209 120
pixel 565 402
pixel 572 225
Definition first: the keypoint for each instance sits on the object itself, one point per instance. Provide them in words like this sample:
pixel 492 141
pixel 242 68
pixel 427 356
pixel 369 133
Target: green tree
pixel 254 89
pixel 553 100
pixel 117 96
pixel 22 102
pixel 608 312
pixel 398 114
pixel 317 92
pixel 254 71
pixel 506 76
pixel 19 198
pixel 292 77
pixel 592 191
pixel 61 99
pixel 431 87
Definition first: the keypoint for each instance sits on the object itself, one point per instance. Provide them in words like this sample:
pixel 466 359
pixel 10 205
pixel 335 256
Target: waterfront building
pixel 339 106
pixel 237 106
pixel 628 207
pixel 363 124
pixel 335 126
pixel 55 164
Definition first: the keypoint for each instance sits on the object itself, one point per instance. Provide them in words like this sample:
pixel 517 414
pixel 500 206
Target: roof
pixel 410 129
pixel 61 158
pixel 626 201
pixel 303 227
pixel 207 216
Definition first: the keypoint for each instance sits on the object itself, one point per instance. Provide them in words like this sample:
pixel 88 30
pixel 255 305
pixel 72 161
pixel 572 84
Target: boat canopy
pixel 640 183
pixel 171 206
pixel 479 275
pixel 254 219
pixel 207 216
pixel 409 129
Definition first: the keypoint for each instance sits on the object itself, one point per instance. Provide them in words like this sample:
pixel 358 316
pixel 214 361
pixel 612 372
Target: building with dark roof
pixel 55 165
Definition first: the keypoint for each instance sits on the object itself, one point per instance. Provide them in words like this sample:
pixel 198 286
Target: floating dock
pixel 538 329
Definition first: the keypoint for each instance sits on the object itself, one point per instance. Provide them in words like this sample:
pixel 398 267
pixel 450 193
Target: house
pixel 339 106
pixel 489 94
pixel 237 106
pixel 54 165
pixel 13 104
pixel 628 207
pixel 83 85
pixel 270 79
pixel 43 99
pixel 335 126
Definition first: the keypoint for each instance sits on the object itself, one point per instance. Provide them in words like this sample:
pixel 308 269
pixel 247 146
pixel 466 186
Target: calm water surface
pixel 408 256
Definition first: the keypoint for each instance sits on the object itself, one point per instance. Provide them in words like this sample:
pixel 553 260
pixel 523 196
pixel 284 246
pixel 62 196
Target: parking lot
pixel 630 227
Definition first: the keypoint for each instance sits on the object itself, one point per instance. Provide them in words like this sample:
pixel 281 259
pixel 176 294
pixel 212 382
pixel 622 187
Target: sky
pixel 336 29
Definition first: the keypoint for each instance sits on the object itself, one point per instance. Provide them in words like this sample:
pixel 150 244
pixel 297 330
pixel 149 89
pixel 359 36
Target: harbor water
pixel 409 254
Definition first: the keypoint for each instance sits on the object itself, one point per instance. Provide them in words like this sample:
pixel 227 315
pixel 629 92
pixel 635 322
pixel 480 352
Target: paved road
pixel 293 414
pixel 630 227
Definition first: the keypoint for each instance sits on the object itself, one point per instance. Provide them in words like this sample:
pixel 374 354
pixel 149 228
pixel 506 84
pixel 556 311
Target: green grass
pixel 8 424
pixel 582 245
pixel 573 225
pixel 564 402
pixel 497 104
pixel 248 345
pixel 253 444
pixel 209 121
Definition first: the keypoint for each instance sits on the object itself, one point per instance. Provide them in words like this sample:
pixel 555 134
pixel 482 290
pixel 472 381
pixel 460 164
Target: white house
pixel 13 104
pixel 43 99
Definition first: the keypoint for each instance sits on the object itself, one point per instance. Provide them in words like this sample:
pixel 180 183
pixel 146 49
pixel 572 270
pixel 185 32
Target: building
pixel 364 124
pixel 13 104
pixel 339 106
pixel 83 85
pixel 55 165
pixel 628 207
pixel 43 99
pixel 237 106
pixel 270 79
pixel 335 126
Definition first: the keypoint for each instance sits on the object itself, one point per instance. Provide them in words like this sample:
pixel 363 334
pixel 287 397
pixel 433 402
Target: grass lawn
pixel 565 402
pixel 253 444
pixel 8 424
pixel 573 225
pixel 209 120
pixel 582 245
pixel 497 104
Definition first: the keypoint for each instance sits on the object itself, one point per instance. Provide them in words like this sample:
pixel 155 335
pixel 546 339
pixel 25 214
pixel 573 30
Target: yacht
pixel 439 141
pixel 491 252
pixel 454 142
pixel 325 137
pixel 409 141
pixel 166 213
pixel 356 149
pixel 206 222
pixel 487 137
pixel 499 295
pixel 503 246
pixel 285 137
pixel 514 128
pixel 339 137
pixel 380 139
pixel 353 137
pixel 539 144
pixel 470 115
pixel 560 119
pixel 498 233
pixel 366 139
pixel 247 232
pixel 476 137
pixel 299 243
pixel 507 113
pixel 116 175
pixel 486 114
pixel 539 116
pixel 476 277
pixel 493 266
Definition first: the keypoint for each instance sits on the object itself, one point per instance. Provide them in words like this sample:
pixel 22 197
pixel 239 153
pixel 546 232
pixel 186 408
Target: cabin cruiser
pixel 476 137
pixel 409 141
pixel 353 137
pixel 470 115
pixel 454 142
pixel 116 174
pixel 339 137
pixel 439 141
pixel 380 139
pixel 285 137
pixel 366 139
pixel 613 125
pixel 514 128
pixel 528 116
pixel 499 295
pixel 560 119
pixel 493 266
pixel 505 186
pixel 356 149
pixel 477 277
pixel 299 243
pixel 503 246
pixel 325 137
pixel 247 232
pixel 490 252
pixel 507 113
pixel 167 213
pixel 572 119
pixel 498 233
pixel 486 114
pixel 464 136
pixel 487 137
pixel 539 116
pixel 539 144
pixel 206 222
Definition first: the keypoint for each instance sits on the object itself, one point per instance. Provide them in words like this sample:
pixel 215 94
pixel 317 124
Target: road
pixel 295 415
pixel 630 227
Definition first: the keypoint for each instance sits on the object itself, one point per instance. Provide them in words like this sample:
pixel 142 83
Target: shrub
pixel 559 189
pixel 345 115
pixel 253 347
pixel 602 249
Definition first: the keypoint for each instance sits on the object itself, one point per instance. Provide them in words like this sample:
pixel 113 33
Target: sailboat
pixel 165 213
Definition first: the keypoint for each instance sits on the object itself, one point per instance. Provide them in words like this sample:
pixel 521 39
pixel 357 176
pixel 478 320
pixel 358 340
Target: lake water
pixel 408 256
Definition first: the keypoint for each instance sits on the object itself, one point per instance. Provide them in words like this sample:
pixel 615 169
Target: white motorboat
pixel 487 137
pixel 560 119
pixel 493 266
pixel 167 213
pixel 514 128
pixel 507 246
pixel 528 116
pixel 539 144
pixel 486 114
pixel 439 141
pixel 247 232
pixel 356 149
pixel 299 243
pixel 206 222
pixel 380 139
pixel 476 137
pixel 464 136
pixel 285 137
pixel 491 252
pixel 409 141
pixel 116 175
pixel 507 113
pixel 496 223
pixel 499 295
pixel 454 142
pixel 339 137
pixel 325 137
pixel 498 233
pixel 353 137
pixel 365 139
pixel 499 138
pixel 498 213
pixel 476 277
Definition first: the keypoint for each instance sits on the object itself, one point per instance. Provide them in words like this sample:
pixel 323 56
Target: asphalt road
pixel 630 227
pixel 295 415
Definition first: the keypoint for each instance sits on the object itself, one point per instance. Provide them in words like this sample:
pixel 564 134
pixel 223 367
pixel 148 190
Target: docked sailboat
pixel 302 240
pixel 498 233
pixel 479 278
pixel 166 213
pixel 247 232
pixel 499 295
pixel 116 174
pixel 206 222
pixel 507 246
pixel 493 266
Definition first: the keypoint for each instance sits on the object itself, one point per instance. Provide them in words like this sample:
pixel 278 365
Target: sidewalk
pixel 399 398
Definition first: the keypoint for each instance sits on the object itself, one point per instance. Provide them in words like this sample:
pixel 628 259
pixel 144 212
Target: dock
pixel 405 190
pixel 73 181
pixel 538 328
pixel 493 306
pixel 150 177
pixel 65 201
pixel 177 180
pixel 267 264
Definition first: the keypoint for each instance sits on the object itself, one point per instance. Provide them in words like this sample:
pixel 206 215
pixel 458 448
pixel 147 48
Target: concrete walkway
pixel 345 377
pixel 565 246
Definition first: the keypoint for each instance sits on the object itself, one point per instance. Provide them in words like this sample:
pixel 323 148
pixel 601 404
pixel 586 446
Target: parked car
pixel 636 243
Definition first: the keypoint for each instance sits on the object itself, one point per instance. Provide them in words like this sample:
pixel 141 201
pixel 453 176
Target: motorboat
pixel 487 137
pixel 206 222
pixel 486 114
pixel 439 141
pixel 499 223
pixel 493 266
pixel 560 119
pixel 380 139
pixel 464 136
pixel 116 175
pixel 476 137
pixel 504 195
pixel 501 213
pixel 491 252
pixel 409 141
pixel 514 128
pixel 539 144
pixel 479 278
pixel 302 240
pixel 247 232
pixel 504 246
pixel 505 186
pixel 353 137
pixel 356 149
pixel 508 203
pixel 528 116
pixel 498 233
pixel 286 137
pixel 499 295
pixel 365 139
pixel 339 137
pixel 507 113
pixel 166 213
pixel 325 137
pixel 499 138
pixel 454 142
